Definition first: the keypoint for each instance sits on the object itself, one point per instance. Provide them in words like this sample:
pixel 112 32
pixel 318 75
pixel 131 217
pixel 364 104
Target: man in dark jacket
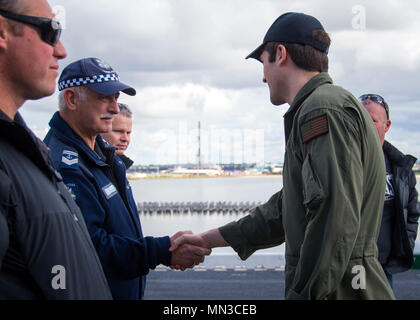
pixel 49 252
pixel 120 135
pixel 400 216
pixel 97 179
pixel 4 229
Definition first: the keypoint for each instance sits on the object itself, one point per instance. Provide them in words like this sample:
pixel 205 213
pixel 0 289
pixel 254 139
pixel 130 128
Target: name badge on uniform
pixel 109 191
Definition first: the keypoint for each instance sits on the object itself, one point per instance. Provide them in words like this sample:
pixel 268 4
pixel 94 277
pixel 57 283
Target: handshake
pixel 189 250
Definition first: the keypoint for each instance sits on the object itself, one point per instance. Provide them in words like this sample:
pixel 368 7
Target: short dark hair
pixel 304 56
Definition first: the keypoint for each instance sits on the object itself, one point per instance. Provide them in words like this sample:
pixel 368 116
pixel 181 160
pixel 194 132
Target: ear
pixel 71 97
pixel 281 54
pixel 387 125
pixel 4 33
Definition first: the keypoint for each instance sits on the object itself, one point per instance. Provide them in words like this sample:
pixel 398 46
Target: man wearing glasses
pixel 120 135
pixel 399 225
pixel 49 252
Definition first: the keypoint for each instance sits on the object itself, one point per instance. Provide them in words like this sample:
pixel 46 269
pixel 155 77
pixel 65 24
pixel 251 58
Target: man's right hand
pixel 186 253
pixel 206 240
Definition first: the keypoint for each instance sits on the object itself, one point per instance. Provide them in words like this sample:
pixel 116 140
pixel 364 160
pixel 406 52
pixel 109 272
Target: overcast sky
pixel 186 59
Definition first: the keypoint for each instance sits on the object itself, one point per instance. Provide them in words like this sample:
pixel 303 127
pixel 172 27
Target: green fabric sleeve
pixel 262 228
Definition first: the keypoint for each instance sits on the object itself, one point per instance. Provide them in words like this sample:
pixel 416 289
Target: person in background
pixel 327 212
pixel 400 215
pixel 97 179
pixel 49 252
pixel 120 135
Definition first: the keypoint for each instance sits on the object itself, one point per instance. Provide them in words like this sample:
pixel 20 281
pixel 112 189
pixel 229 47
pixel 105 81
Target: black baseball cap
pixel 292 27
pixel 95 74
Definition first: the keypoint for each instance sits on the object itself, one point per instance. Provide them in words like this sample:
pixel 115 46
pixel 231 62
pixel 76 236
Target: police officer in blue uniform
pixel 96 178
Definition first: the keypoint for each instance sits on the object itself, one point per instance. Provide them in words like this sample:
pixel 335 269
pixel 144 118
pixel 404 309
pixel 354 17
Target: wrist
pixel 212 238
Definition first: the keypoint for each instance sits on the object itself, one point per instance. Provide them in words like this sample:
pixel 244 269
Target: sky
pixel 186 59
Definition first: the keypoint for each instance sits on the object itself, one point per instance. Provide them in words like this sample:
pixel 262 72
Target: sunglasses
pixel 50 29
pixel 376 98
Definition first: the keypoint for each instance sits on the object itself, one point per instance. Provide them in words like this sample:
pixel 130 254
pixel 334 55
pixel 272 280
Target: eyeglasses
pixel 376 98
pixel 50 29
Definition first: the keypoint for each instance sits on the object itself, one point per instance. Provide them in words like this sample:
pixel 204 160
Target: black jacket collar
pixel 22 138
pixel 397 157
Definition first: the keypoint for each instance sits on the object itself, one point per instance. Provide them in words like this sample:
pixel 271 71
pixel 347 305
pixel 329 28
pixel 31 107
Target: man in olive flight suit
pixel 329 209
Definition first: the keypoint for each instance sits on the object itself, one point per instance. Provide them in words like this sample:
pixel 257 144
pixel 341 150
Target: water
pixel 233 189
pixel 208 189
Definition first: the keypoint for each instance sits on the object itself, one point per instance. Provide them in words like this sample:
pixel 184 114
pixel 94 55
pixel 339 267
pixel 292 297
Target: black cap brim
pixel 256 54
pixel 111 87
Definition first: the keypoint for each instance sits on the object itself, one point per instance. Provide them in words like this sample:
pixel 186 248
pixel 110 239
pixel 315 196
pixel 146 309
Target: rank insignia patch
pixel 69 159
pixel 314 128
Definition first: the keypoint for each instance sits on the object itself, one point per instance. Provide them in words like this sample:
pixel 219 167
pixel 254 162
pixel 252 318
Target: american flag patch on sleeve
pixel 314 128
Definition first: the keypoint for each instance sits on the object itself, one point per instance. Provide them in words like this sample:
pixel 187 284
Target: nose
pixel 114 109
pixel 124 137
pixel 59 51
pixel 264 80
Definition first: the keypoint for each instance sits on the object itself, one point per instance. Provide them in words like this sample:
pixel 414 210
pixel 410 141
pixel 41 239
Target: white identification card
pixel 109 191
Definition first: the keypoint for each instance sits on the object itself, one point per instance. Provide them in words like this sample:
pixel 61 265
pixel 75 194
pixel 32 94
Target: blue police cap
pixel 95 74
pixel 292 27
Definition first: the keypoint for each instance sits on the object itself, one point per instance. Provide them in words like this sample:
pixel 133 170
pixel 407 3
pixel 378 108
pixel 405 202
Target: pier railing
pixel 208 207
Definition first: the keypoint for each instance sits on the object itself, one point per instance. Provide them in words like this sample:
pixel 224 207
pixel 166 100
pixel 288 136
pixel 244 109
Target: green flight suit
pixel 329 210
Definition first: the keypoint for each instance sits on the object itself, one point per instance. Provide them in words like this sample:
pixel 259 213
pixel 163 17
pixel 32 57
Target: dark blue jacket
pixel 101 190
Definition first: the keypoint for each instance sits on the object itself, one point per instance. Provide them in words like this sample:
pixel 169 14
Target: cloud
pixel 186 59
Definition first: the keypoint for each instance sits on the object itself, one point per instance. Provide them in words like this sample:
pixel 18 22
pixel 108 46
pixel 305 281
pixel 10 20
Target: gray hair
pixel 81 93
pixel 125 110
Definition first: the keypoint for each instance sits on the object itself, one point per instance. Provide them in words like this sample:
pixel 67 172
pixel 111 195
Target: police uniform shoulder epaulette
pixel 69 158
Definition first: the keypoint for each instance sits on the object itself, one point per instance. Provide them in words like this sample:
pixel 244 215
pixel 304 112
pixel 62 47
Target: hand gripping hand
pixel 187 250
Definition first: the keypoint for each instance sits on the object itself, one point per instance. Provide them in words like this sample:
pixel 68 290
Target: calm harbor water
pixel 233 189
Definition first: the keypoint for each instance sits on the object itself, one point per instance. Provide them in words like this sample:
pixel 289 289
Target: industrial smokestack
pixel 199 147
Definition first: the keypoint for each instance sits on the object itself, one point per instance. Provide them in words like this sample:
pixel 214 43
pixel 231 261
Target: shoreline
pixel 129 177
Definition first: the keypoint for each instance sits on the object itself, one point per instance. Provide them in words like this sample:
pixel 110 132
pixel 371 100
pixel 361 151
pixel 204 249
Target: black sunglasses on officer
pixel 50 29
pixel 378 99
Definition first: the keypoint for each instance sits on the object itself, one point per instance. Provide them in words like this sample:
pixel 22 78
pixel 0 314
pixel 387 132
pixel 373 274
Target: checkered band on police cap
pixel 75 82
pixel 95 74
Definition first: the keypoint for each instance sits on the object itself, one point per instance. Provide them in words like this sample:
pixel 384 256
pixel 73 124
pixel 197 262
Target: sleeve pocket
pixel 312 189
